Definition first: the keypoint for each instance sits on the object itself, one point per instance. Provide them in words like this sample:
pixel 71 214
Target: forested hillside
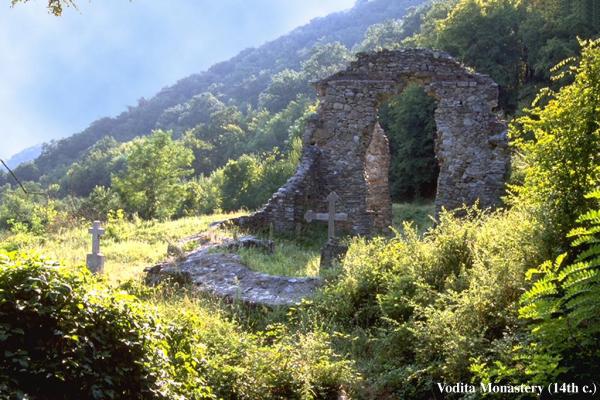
pixel 237 82
pixel 29 154
pixel 243 118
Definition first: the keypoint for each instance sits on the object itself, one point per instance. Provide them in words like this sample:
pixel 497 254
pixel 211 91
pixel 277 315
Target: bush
pixel 247 182
pixel 562 311
pixel 416 309
pixel 64 336
pixel 273 364
pixel 559 140
pixel 99 203
pixel 21 212
pixel 203 196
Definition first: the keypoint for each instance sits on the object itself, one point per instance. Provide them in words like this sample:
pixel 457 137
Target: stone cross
pixel 95 260
pixel 331 216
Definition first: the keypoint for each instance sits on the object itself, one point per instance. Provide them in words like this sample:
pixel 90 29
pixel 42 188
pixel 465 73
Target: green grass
pixel 420 213
pixel 288 259
pixel 129 247
pixel 299 256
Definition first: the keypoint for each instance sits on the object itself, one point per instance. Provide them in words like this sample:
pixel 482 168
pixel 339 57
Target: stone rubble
pixel 211 269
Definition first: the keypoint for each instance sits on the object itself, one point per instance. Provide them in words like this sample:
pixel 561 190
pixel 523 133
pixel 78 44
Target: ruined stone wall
pixel 285 210
pixel 344 144
pixel 377 165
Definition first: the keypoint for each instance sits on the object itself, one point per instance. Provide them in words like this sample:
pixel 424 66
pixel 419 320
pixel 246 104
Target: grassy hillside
pixel 129 246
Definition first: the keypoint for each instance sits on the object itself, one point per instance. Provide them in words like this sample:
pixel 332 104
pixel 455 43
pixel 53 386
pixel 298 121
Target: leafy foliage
pixel 54 6
pixel 66 335
pixel 61 341
pixel 559 141
pixel 414 310
pixel 564 304
pixel 105 158
pixel 515 42
pixel 22 212
pixel 151 184
pixel 409 124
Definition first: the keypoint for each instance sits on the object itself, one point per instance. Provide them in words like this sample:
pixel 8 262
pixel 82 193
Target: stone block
pixel 95 263
pixel 333 252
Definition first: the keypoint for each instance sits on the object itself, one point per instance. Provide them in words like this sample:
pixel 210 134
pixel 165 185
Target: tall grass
pixel 129 246
pixel 288 259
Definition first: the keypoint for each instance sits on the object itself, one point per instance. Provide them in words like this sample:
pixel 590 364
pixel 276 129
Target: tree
pixel 240 179
pixel 325 60
pixel 485 35
pixel 94 168
pixel 559 143
pixel 152 183
pixel 285 86
pixel 54 6
pixel 198 110
pixel 387 35
pixel 408 121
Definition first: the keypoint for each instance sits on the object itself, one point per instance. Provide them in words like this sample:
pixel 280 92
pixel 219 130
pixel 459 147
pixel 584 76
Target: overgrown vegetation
pixel 415 311
pixel 66 335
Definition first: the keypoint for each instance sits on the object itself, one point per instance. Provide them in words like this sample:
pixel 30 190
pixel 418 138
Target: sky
pixel 58 74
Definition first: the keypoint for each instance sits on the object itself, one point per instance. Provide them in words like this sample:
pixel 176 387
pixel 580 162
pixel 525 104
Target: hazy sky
pixel 59 74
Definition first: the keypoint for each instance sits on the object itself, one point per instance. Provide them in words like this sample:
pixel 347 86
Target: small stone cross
pixel 95 260
pixel 331 216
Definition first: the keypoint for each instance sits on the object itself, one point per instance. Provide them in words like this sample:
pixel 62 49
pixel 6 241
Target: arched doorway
pixel 408 121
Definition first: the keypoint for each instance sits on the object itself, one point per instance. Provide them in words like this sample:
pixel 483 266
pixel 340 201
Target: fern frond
pixel 544 287
pixel 587 295
pixel 540 310
pixel 579 277
pixel 592 216
pixel 593 252
pixel 572 269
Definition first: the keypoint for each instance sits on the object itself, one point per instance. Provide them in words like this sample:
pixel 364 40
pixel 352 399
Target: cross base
pixel 95 263
pixel 332 252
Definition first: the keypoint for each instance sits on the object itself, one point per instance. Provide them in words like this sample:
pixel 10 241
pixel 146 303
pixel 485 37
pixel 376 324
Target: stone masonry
pixel 346 151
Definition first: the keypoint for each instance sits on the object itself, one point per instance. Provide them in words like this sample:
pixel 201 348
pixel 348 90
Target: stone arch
pixel 346 151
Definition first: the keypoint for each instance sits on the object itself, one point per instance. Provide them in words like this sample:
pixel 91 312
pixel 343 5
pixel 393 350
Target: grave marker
pixel 333 250
pixel 95 260
pixel 331 216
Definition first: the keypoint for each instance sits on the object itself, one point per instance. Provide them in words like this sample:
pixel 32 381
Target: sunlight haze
pixel 61 73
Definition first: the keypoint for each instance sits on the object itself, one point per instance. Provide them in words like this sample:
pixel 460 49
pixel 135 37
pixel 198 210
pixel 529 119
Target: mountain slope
pixel 236 81
pixel 29 154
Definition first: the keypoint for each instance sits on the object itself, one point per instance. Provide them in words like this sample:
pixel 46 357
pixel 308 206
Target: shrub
pixel 563 306
pixel 416 309
pixel 203 196
pixel 99 203
pixel 272 364
pixel 562 162
pixel 64 336
pixel 21 212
